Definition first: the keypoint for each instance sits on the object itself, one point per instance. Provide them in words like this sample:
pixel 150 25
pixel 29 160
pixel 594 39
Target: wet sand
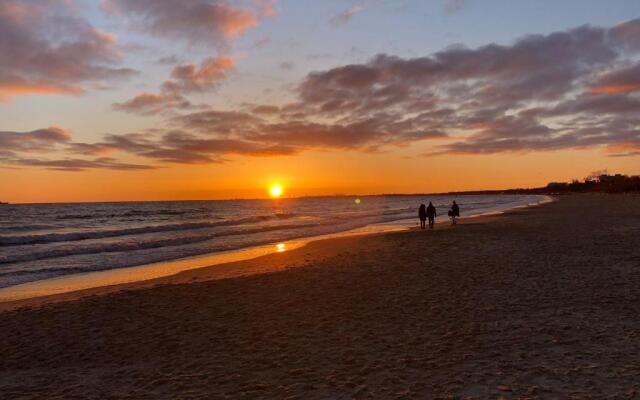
pixel 538 303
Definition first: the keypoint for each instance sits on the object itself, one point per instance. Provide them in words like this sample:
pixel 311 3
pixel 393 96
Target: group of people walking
pixel 429 212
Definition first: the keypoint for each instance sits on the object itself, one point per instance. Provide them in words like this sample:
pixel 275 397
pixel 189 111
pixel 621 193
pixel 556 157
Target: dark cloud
pixel 47 50
pixel 17 149
pixel 131 143
pixel 522 135
pixel 537 67
pixel 204 22
pixel 627 34
pixel 617 104
pixel 623 80
pixel 212 136
pixel 490 97
pixel 220 123
pixel 187 148
pixel 273 110
pixel 180 147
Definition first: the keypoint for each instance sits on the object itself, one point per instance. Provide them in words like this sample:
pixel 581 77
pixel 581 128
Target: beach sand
pixel 537 303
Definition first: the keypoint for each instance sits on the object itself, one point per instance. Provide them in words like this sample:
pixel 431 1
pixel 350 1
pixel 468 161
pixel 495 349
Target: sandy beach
pixel 536 303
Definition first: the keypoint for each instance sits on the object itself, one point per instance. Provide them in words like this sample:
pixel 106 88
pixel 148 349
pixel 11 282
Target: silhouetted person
pixel 454 212
pixel 431 214
pixel 422 214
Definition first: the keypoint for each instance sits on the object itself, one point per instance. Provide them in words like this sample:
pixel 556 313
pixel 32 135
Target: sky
pixel 122 100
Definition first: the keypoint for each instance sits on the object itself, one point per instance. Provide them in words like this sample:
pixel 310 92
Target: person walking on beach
pixel 431 214
pixel 422 214
pixel 454 212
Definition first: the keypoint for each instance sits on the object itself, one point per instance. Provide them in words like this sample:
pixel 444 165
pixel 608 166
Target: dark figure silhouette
pixel 454 212
pixel 431 214
pixel 422 214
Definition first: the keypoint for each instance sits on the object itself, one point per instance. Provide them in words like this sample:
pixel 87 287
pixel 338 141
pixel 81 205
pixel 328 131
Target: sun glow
pixel 275 191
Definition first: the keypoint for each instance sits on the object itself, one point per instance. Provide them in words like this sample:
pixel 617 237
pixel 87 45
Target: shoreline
pixel 228 264
pixel 537 303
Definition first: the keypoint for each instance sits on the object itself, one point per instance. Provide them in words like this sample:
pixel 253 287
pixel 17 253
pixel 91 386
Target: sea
pixel 42 241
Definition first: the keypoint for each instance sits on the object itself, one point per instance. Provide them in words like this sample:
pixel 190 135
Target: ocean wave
pixel 67 270
pixel 373 213
pixel 86 235
pixel 131 246
pixel 19 228
pixel 333 224
pixel 130 213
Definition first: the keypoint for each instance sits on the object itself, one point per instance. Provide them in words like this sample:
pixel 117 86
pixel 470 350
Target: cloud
pixel 264 109
pixel 76 165
pixel 202 22
pixel 17 145
pixel 627 34
pixel 536 94
pixel 627 149
pixel 153 103
pixel 212 136
pixel 266 8
pixel 454 6
pixel 178 146
pixel 168 60
pixel 131 143
pixel 267 131
pixel 185 78
pixel 346 16
pixel 490 97
pixel 40 140
pixel 191 78
pixel 536 67
pixel 47 50
pixel 223 123
pixel 624 80
pixel 540 93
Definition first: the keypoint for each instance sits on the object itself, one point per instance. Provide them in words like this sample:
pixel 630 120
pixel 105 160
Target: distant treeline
pixel 604 183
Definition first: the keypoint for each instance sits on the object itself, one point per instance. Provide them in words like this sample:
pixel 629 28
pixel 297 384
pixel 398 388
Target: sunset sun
pixel 275 191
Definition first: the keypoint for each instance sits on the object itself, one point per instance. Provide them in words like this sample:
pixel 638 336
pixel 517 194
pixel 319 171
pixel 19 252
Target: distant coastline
pixel 599 184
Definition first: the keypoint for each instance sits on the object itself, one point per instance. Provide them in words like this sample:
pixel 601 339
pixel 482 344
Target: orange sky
pixel 309 174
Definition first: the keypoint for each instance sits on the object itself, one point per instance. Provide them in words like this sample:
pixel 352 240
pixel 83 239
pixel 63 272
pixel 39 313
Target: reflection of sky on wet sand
pixel 89 280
